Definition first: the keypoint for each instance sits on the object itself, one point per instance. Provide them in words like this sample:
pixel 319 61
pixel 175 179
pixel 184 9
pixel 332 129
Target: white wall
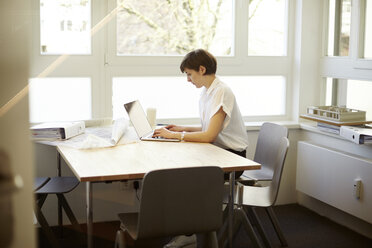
pixel 15 26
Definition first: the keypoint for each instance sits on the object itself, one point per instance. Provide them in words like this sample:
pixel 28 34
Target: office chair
pixel 251 197
pixel 176 202
pixel 43 186
pixel 268 141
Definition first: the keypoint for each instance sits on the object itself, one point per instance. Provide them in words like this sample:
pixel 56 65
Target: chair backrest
pixel 180 201
pixel 268 141
pixel 278 168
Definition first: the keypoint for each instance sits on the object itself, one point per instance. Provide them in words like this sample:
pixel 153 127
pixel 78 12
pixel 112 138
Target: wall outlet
pixel 357 191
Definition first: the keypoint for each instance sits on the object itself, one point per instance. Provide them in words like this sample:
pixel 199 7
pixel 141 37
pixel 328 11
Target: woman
pixel 222 123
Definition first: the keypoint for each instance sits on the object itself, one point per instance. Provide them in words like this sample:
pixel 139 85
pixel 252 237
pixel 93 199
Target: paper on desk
pixel 99 137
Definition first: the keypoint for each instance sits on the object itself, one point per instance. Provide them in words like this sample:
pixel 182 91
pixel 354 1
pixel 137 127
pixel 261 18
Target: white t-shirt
pixel 233 134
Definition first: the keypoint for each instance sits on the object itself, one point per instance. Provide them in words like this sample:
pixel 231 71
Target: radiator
pixel 330 176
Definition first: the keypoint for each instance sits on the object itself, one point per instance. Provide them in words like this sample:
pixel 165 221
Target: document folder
pixel 57 130
pixel 358 135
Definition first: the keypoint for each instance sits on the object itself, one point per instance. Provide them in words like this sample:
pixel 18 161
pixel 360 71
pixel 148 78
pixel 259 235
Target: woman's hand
pixel 165 133
pixel 175 128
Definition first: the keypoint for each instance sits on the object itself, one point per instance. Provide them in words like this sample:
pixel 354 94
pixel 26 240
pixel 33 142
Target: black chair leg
pixel 249 228
pixel 223 234
pixel 45 227
pixel 69 212
pixel 259 226
pixel 277 228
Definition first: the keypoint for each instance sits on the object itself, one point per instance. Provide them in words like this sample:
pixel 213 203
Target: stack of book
pixel 57 130
pixel 329 128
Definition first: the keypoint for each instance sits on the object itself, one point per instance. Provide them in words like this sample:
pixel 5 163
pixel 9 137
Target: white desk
pixel 133 161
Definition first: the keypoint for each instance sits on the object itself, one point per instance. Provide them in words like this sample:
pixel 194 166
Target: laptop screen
pixel 138 118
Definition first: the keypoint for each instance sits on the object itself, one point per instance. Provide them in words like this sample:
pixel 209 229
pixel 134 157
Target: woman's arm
pixel 208 136
pixel 182 128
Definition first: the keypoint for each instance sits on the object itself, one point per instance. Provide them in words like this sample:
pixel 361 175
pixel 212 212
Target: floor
pixel 301 227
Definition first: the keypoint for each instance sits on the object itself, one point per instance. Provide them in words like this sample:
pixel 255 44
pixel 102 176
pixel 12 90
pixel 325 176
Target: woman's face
pixel 195 77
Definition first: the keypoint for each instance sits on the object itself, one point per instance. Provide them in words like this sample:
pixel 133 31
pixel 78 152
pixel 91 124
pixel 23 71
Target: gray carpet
pixel 301 227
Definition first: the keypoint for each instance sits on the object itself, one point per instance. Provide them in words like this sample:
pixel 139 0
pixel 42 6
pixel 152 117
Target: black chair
pixel 44 186
pixel 176 202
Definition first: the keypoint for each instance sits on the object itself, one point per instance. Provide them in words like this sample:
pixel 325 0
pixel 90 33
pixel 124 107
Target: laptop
pixel 140 123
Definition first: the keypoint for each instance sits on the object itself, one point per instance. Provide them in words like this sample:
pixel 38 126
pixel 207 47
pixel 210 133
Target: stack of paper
pixel 358 135
pixel 57 130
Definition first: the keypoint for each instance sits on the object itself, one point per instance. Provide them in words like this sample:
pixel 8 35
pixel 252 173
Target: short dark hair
pixel 193 60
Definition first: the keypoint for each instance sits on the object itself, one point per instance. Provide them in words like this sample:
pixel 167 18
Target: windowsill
pixel 255 126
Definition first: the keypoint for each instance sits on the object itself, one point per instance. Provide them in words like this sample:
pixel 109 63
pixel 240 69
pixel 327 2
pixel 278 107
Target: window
pixel 354 94
pixel 135 48
pixel 267 28
pixel 366 33
pixel 339 22
pixel 349 79
pixel 182 103
pixel 63 27
pixel 256 96
pixel 56 99
pixel 155 27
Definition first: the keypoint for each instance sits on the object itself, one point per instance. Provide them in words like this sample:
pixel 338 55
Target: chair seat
pixel 59 185
pixel 40 182
pixel 264 174
pixel 256 196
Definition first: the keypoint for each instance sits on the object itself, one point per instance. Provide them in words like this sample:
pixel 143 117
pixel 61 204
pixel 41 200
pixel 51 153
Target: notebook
pixel 140 123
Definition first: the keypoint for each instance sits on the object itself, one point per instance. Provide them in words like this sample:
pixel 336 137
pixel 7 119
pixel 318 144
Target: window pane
pixel 60 99
pixel 368 31
pixel 65 27
pixel 258 95
pixel 339 27
pixel 154 27
pixel 174 97
pixel 359 96
pixel 267 32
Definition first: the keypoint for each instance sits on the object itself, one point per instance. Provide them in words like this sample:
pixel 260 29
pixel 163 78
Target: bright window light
pixel 65 27
pixel 259 95
pixel 60 99
pixel 359 96
pixel 267 28
pixel 174 97
pixel 368 31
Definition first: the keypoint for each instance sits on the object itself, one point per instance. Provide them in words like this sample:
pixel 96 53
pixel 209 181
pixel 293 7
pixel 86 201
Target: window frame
pixel 344 68
pixel 103 64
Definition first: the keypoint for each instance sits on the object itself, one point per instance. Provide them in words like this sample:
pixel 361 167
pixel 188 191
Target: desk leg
pixel 231 208
pixel 60 220
pixel 89 193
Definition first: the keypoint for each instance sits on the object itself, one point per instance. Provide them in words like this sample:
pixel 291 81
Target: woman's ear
pixel 202 70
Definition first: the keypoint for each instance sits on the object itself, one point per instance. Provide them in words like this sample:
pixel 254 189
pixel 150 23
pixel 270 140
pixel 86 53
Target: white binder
pixel 358 135
pixel 57 130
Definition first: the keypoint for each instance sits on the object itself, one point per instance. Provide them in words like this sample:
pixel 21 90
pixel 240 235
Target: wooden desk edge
pixel 141 175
